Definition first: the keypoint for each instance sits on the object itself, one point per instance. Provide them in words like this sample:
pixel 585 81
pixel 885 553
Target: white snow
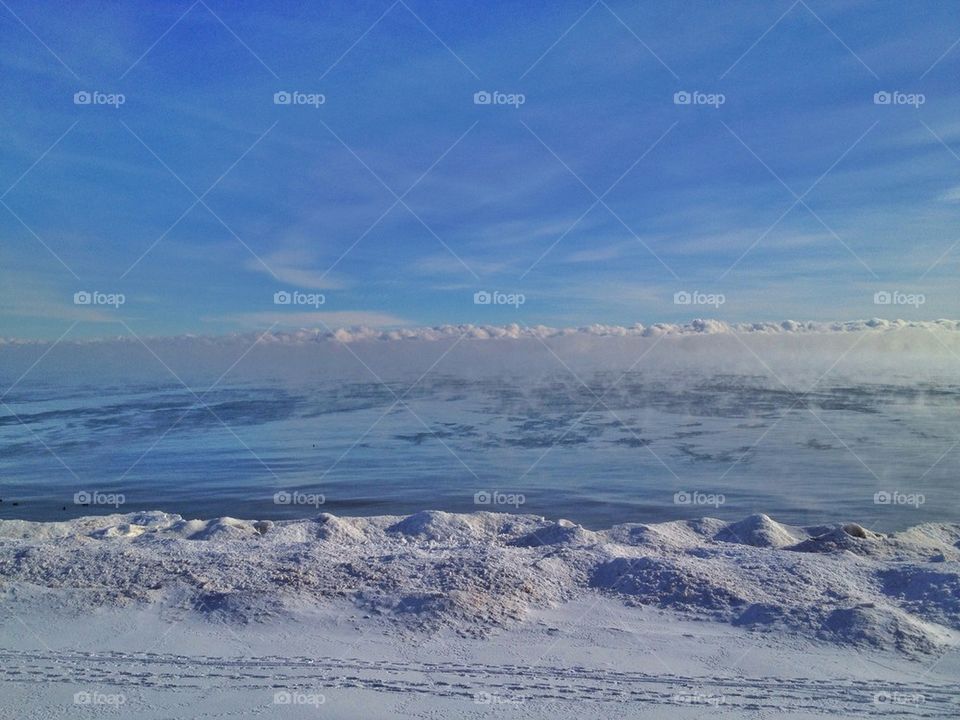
pixel 476 572
pixel 455 613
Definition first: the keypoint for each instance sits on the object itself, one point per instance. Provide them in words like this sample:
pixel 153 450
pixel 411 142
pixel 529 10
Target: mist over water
pixel 597 429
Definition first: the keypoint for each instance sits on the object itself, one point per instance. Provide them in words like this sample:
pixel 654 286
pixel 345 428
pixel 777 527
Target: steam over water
pixel 613 448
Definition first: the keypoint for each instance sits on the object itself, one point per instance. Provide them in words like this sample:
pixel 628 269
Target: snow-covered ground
pixel 442 615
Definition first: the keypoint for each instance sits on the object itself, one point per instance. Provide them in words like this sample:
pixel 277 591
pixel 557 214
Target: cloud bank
pixel 787 352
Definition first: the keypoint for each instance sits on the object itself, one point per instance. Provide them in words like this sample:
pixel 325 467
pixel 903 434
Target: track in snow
pixel 506 684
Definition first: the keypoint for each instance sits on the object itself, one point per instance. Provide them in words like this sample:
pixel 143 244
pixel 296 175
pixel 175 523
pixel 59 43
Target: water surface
pixel 617 448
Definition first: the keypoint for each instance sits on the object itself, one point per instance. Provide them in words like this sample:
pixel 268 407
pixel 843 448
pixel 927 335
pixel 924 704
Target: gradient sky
pixel 399 198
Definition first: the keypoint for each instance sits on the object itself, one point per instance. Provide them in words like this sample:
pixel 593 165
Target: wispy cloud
pixel 952 195
pixel 333 319
pixel 327 187
pixel 291 267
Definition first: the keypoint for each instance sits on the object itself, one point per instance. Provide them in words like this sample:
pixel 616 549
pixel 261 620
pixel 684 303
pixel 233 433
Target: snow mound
pixel 334 529
pixel 441 526
pixel 476 572
pixel 852 538
pixel 224 527
pixel 931 594
pixel 50 530
pixel 675 534
pixel 760 531
pixel 773 616
pixel 121 530
pixel 882 627
pixel 669 585
pixel 562 532
pixel 925 543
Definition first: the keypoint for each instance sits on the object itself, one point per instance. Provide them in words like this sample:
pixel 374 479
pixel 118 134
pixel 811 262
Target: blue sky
pixel 399 198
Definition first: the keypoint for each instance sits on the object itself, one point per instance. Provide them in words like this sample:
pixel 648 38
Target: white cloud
pixel 292 267
pixel 741 239
pixel 794 352
pixel 951 195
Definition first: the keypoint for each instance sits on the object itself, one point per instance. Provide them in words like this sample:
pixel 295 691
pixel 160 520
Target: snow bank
pixel 474 572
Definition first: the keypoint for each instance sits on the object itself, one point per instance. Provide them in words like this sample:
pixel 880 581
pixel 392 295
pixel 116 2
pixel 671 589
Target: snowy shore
pixel 511 609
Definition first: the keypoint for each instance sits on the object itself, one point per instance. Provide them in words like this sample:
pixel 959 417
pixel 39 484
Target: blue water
pixel 548 442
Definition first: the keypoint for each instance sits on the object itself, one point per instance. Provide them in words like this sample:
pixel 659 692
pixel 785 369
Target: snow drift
pixel 475 572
